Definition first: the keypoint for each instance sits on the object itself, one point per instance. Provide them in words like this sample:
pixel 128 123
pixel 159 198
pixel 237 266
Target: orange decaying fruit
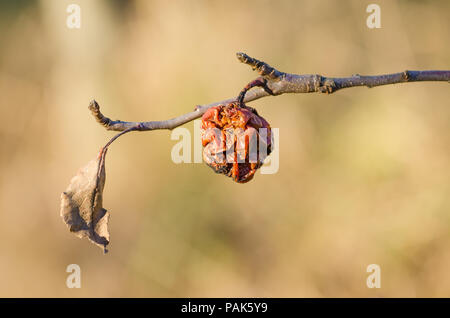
pixel 233 137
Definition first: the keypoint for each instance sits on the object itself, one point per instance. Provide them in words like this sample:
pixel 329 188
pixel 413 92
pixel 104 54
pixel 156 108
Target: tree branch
pixel 274 83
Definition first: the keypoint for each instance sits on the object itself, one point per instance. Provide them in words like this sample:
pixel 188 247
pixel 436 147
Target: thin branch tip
pixel 94 107
pixel 94 103
pixel 263 68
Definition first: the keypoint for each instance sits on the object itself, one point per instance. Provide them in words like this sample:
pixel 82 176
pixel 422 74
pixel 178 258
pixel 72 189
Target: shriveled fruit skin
pixel 232 137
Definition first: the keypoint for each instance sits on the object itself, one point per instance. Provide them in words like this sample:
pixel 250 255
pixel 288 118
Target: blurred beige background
pixel 363 178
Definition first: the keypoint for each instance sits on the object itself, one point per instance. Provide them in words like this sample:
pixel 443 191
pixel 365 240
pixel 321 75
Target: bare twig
pixel 274 82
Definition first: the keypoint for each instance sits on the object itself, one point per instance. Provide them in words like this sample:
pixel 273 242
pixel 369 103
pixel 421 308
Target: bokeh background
pixel 364 173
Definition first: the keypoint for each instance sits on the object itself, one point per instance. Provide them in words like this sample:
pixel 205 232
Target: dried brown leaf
pixel 81 203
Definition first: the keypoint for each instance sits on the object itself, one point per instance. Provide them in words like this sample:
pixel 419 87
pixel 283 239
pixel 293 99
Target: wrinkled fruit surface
pixel 236 140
